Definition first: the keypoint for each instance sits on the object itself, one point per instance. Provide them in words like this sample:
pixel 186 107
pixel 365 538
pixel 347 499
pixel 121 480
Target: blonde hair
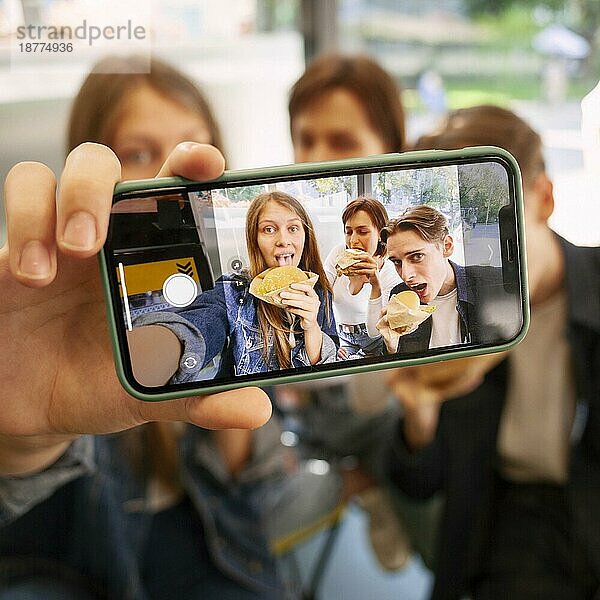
pixel 271 319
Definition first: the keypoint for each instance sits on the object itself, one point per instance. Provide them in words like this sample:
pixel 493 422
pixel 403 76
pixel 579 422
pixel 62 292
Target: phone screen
pixel 313 273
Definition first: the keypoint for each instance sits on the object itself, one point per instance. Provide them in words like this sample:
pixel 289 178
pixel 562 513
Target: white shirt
pixel 352 309
pixel 445 323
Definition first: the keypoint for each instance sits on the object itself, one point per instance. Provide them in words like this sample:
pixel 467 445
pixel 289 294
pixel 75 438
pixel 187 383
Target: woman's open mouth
pixel 284 259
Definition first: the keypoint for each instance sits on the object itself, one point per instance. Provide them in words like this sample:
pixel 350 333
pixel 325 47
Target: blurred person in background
pixel 516 449
pixel 162 510
pixel 347 106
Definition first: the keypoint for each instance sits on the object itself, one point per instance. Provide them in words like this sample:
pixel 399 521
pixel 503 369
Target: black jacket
pixel 462 459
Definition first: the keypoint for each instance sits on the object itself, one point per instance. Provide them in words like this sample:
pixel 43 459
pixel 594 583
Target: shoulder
pixel 481 273
pixel 233 285
pixel 582 282
pixel 243 277
pixel 583 261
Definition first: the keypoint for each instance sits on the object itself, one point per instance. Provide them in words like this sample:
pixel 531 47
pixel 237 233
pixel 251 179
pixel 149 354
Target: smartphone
pixel 191 261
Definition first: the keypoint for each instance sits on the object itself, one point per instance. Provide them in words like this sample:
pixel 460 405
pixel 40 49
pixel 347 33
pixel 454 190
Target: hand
pixel 57 379
pixel 420 390
pixel 365 271
pixel 342 353
pixel 367 267
pixel 391 336
pixel 303 301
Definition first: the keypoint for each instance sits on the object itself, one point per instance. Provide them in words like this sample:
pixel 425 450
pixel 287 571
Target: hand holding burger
pixel 403 315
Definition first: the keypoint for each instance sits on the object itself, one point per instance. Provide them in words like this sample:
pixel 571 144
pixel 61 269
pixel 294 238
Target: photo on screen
pixel 309 273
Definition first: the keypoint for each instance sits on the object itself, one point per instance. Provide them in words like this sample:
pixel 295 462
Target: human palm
pixel 57 378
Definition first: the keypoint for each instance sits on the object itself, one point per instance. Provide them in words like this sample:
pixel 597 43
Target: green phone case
pixel 429 157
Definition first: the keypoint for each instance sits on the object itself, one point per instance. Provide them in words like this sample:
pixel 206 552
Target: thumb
pixel 244 408
pixel 191 160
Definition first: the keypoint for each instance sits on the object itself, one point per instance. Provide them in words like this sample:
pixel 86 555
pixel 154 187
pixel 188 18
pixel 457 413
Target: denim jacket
pixel 89 513
pixel 224 321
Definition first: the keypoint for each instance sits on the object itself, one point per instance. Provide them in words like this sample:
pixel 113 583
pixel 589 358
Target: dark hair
pixel 428 222
pixel 488 125
pixel 376 212
pixel 360 75
pixel 97 107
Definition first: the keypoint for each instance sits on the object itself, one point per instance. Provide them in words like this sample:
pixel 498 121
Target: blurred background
pixel 537 57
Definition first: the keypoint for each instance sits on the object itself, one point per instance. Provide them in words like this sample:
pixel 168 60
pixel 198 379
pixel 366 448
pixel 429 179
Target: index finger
pixel 303 287
pixel 85 194
pixel 85 198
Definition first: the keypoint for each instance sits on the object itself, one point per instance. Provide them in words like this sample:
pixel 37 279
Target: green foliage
pixel 497 7
pixel 244 193
pixel 483 188
pixel 331 185
pixel 437 187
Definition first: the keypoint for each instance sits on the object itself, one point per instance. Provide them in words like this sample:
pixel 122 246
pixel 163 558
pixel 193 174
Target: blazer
pixel 461 461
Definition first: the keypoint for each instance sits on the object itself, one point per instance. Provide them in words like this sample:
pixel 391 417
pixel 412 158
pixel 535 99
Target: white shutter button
pixel 179 290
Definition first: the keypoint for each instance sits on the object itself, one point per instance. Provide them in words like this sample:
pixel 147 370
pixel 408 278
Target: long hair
pixel 367 81
pixel 271 319
pixel 97 108
pixel 377 213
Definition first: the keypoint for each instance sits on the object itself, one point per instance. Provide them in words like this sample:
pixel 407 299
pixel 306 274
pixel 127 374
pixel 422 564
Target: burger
pixel 347 258
pixel 405 312
pixel 277 278
pixel 269 284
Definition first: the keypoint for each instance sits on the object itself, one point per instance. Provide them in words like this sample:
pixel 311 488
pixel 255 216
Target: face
pixel 361 233
pixel 334 126
pixel 150 126
pixel 422 265
pixel 280 235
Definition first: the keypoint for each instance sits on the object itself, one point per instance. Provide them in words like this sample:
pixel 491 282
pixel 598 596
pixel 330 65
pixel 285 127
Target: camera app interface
pixel 311 274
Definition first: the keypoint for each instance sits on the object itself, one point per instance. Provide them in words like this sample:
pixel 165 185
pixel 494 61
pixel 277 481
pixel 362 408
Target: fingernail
pixel 187 146
pixel 35 260
pixel 80 231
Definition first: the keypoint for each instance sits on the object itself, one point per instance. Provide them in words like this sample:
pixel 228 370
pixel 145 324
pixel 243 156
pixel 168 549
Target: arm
pixel 373 316
pixel 250 459
pixel 155 351
pixel 421 391
pixel 418 473
pixel 189 339
pixel 390 284
pixel 18 494
pixel 329 263
pixel 304 302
